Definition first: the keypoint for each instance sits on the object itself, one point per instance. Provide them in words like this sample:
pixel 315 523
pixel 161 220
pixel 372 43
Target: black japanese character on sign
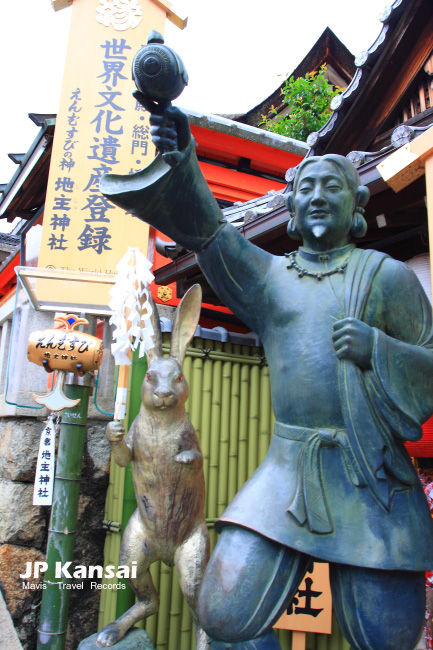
pixel 69 144
pixel 93 184
pixel 308 594
pixel 50 343
pixel 47 430
pixel 140 132
pixel 96 238
pixel 65 184
pixel 64 357
pixel 141 144
pixel 112 70
pixel 60 222
pixel 108 120
pixel 74 357
pixel 109 100
pixel 72 343
pixel 83 346
pixel 108 148
pixel 74 107
pixel 116 48
pixel 46 454
pixel 47 355
pixel 43 492
pixel 61 343
pixel 66 163
pixel 45 467
pixel 44 478
pixel 61 202
pixel 71 132
pixel 47 442
pixel 56 243
pixel 40 343
pixel 98 206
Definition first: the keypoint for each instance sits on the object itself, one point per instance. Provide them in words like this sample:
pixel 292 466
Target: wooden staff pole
pixel 299 640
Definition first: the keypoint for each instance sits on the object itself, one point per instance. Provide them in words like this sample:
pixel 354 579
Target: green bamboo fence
pixel 230 407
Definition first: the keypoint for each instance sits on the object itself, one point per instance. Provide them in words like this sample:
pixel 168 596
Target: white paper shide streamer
pixel 44 479
pixel 131 307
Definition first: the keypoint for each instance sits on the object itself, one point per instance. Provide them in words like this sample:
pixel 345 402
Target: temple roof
pixel 327 49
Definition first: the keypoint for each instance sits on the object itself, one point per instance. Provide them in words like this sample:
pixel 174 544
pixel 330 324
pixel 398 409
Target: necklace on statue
pixel 319 275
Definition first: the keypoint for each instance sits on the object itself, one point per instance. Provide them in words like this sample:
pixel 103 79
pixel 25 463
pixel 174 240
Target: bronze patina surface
pixel 167 470
pixel 349 341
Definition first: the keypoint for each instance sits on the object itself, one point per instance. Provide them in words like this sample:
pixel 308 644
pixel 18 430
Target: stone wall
pixel 23 527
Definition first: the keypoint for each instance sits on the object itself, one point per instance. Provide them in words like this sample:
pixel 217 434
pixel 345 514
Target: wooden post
pixel 407 164
pixel 298 640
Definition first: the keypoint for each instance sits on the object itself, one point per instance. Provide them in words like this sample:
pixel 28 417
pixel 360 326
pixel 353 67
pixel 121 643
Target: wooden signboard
pixel 100 129
pixel 311 608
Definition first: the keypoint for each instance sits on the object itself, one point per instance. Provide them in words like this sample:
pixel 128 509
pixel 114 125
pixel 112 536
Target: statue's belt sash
pixel 309 503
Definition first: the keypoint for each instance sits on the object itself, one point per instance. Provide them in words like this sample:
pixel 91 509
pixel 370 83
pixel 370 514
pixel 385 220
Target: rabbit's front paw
pixel 189 457
pixel 114 431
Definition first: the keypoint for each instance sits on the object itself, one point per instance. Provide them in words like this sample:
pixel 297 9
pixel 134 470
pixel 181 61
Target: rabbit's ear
pixel 156 351
pixel 185 322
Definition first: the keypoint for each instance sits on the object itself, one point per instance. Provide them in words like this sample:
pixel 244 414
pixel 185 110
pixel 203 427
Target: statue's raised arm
pixel 172 195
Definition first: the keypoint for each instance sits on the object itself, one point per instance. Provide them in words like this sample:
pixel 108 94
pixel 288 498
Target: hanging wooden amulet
pixel 64 350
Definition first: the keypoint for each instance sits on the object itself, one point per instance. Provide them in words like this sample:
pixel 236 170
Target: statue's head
pixel 327 203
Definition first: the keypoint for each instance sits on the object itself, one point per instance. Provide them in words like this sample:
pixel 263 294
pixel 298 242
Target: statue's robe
pixel 337 482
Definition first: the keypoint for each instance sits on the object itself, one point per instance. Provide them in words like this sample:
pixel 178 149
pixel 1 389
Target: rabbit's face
pixel 164 385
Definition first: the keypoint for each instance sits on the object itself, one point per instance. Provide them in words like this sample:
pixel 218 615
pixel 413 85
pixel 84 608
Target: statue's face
pixel 324 206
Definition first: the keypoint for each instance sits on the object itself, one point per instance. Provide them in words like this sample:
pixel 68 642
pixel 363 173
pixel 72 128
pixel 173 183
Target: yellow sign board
pixel 311 608
pixel 99 129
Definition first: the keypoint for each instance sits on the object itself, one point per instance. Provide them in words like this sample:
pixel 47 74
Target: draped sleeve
pixel 403 353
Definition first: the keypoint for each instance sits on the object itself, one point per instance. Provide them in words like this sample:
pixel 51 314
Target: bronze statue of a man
pixel 349 342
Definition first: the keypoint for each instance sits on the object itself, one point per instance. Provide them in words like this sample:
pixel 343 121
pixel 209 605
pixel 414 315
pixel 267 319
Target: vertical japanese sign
pixel 44 480
pixel 99 129
pixel 311 607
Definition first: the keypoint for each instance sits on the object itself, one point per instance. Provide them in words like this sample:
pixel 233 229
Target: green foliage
pixel 308 99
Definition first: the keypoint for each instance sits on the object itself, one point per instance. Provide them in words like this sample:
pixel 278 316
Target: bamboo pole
pixel 61 533
pixel 113 513
pixel 175 614
pixel 164 607
pixel 187 371
pixel 264 408
pixel 234 427
pixel 223 460
pixel 186 636
pixel 152 621
pixel 243 422
pixel 253 420
pixel 212 510
pixel 195 390
pixel 206 418
pixel 285 639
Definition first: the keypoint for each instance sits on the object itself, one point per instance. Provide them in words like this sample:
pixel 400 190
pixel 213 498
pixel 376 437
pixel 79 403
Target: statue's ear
pixel 362 196
pixel 289 203
pixel 292 230
pixel 359 224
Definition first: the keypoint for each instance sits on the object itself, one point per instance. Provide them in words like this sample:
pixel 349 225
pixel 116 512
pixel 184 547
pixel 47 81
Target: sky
pixel 237 53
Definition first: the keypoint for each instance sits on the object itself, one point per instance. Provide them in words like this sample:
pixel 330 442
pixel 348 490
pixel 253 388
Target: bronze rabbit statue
pixel 167 469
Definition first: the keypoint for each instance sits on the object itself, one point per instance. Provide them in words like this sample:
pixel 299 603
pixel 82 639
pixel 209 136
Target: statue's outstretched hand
pixel 354 340
pixel 170 129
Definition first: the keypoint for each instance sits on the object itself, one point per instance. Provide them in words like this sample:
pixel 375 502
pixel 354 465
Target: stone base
pixel 135 639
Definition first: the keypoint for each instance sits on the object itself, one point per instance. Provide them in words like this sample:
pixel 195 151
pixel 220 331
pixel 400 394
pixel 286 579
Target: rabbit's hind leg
pixel 191 559
pixel 136 547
